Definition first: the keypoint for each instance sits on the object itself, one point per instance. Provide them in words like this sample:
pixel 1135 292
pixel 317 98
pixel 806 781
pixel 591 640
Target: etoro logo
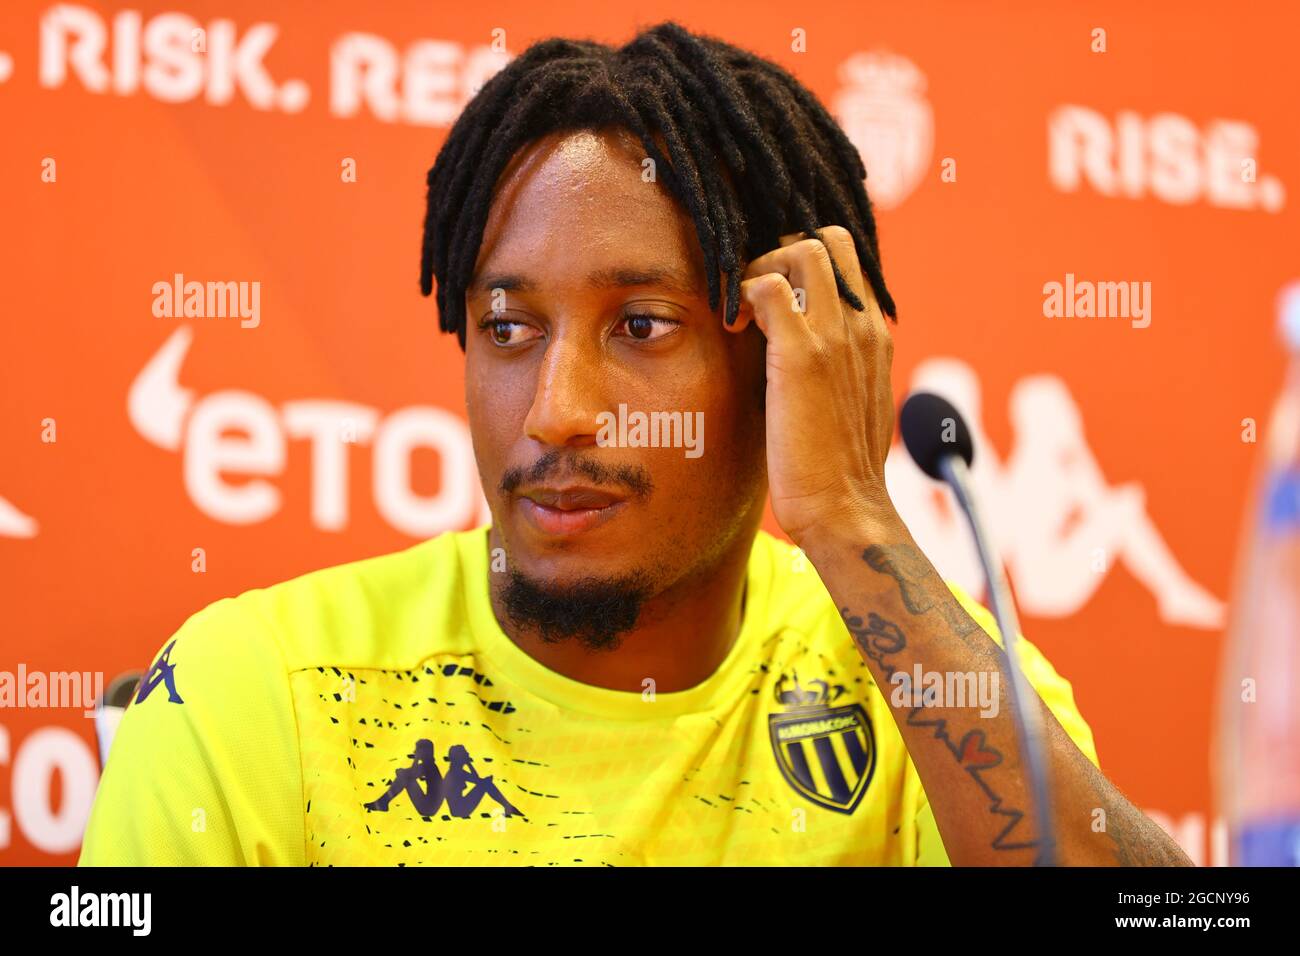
pixel 239 433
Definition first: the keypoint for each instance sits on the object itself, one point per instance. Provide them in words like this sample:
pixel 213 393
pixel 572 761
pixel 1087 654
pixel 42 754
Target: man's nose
pixel 567 399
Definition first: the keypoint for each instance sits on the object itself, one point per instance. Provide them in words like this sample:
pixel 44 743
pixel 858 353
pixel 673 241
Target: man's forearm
pixel 901 615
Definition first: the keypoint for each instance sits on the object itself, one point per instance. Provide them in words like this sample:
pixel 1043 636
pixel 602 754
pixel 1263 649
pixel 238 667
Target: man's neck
pixel 681 636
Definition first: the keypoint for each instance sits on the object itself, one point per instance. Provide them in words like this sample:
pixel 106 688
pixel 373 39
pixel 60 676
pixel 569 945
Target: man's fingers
pixel 791 294
pixel 839 243
pixel 769 301
pixel 805 262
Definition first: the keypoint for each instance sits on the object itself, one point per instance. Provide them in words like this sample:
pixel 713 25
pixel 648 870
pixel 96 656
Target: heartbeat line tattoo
pixel 878 638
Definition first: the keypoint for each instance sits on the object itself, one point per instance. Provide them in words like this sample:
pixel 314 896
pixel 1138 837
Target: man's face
pixel 589 294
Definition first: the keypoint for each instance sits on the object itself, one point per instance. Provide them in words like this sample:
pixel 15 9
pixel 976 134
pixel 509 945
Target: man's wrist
pixel 849 533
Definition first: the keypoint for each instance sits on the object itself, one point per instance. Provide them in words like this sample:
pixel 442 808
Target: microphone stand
pixel 1029 725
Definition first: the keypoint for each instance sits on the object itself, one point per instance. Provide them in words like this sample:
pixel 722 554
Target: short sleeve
pixel 1057 694
pixel 204 768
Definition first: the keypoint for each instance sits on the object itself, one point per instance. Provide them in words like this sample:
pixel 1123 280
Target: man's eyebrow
pixel 619 278
pixel 612 278
pixel 505 281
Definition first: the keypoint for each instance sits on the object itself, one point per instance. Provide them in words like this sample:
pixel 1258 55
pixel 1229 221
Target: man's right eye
pixel 504 332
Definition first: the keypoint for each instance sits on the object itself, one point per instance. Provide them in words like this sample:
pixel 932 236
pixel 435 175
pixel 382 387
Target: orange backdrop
pixel 1008 146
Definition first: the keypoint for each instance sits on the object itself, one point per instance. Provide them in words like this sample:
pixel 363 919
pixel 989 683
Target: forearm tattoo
pixel 918 584
pixel 1137 840
pixel 878 639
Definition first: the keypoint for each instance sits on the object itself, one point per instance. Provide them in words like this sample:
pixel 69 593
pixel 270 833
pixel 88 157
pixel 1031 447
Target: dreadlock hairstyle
pixel 752 154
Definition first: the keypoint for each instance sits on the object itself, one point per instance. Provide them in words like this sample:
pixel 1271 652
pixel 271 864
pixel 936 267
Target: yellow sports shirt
pixel 375 713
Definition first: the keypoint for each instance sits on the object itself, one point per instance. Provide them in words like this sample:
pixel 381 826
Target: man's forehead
pixel 570 166
pixel 601 225
pixel 617 227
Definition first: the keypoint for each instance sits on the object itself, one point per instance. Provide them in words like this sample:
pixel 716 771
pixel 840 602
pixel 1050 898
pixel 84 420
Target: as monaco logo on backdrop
pixel 882 107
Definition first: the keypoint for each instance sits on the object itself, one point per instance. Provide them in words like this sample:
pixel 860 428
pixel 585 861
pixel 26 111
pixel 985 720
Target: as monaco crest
pixel 827 754
pixel 883 110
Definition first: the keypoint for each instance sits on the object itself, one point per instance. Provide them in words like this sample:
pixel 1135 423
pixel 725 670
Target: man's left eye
pixel 647 327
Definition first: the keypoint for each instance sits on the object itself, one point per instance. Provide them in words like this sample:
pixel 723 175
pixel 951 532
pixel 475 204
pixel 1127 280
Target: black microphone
pixel 939 442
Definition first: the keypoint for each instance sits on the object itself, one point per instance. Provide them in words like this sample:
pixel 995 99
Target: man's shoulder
pixel 390 610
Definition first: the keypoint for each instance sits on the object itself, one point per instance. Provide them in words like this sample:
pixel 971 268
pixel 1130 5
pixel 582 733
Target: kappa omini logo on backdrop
pixel 1061 526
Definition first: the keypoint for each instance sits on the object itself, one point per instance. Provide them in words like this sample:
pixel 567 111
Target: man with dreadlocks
pixel 676 227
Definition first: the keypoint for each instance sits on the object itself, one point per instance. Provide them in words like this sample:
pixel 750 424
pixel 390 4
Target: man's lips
pixel 559 511
pixel 572 498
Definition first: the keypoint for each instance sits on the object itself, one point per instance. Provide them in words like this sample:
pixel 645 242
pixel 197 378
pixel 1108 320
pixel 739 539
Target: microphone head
pixel 932 429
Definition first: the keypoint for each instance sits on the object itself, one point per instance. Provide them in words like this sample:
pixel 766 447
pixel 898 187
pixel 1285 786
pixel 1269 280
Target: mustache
pixel 554 464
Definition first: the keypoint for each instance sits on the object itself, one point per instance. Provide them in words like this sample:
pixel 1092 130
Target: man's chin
pixel 594 609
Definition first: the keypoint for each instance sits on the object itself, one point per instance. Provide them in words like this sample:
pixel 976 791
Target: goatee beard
pixel 596 612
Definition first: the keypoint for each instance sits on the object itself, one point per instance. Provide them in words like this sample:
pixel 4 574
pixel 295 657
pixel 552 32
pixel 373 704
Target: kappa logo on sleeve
pixel 164 672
